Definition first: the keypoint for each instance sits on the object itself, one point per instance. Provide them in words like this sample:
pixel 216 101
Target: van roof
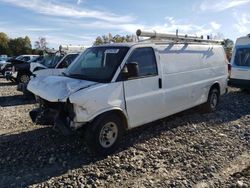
pixel 127 44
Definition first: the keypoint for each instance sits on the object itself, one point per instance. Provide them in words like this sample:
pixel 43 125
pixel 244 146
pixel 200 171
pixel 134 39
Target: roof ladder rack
pixel 175 38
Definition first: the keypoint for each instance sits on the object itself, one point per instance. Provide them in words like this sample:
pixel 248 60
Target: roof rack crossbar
pixel 176 38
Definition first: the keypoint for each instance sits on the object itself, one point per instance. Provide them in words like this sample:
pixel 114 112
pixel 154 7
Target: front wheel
pixel 212 101
pixel 23 78
pixel 104 134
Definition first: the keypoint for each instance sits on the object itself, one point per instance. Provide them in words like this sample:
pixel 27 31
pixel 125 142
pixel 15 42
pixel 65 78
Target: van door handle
pixel 160 83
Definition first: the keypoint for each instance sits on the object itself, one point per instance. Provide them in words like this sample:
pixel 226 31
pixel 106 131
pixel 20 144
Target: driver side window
pixel 145 58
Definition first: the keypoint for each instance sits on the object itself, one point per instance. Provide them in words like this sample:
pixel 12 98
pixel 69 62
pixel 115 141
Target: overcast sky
pixel 81 21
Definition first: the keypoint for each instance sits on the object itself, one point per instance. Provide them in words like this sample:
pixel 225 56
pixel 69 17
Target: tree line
pixel 15 46
pixel 104 39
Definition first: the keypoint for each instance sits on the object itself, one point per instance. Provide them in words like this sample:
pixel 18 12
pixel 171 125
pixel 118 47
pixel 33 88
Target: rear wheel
pixel 104 134
pixel 212 101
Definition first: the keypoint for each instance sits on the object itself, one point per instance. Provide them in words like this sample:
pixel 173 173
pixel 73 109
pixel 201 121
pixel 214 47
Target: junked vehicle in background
pixel 240 63
pixel 115 87
pixel 59 67
pixel 20 59
pixel 53 64
pixel 15 70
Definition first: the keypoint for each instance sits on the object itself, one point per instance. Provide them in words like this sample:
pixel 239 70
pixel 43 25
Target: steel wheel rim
pixel 108 134
pixel 24 78
pixel 214 100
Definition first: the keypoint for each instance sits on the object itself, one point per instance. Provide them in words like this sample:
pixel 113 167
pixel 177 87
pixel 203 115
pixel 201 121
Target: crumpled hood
pixel 56 88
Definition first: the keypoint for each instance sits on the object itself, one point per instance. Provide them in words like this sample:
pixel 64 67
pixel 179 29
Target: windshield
pixel 51 61
pixel 97 63
pixel 242 57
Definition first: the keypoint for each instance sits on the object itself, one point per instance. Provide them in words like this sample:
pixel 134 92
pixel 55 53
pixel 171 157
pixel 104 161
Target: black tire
pixel 23 78
pixel 96 139
pixel 212 101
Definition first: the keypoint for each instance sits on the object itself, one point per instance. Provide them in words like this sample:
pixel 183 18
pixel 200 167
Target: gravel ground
pixel 190 149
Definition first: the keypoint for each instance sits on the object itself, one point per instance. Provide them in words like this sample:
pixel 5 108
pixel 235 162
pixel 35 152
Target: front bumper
pixel 60 115
pixel 239 83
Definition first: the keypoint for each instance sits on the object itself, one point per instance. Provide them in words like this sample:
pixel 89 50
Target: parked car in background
pixel 4 56
pixel 115 87
pixel 52 63
pixel 57 69
pixel 240 63
pixel 21 58
pixel 16 70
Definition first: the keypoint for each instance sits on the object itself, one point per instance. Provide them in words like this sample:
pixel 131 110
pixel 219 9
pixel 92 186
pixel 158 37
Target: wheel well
pixel 217 86
pixel 119 113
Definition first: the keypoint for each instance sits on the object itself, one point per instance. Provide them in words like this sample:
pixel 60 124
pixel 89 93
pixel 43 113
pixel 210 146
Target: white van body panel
pixel 240 72
pixel 93 101
pixel 187 73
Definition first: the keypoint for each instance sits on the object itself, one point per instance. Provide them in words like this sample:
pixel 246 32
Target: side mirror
pixel 130 70
pixel 133 69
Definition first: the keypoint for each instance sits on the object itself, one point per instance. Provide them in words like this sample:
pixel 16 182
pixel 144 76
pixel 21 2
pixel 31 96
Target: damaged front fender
pixel 94 101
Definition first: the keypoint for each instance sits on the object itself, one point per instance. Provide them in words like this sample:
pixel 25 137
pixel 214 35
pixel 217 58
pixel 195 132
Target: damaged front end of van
pixel 82 92
pixel 52 93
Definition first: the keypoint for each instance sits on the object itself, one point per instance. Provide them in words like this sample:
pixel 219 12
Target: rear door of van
pixel 143 94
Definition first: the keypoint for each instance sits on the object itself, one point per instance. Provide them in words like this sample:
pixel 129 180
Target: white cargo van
pixel 116 87
pixel 240 63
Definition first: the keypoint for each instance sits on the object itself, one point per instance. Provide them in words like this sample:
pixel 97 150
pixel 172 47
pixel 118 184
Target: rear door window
pixel 242 57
